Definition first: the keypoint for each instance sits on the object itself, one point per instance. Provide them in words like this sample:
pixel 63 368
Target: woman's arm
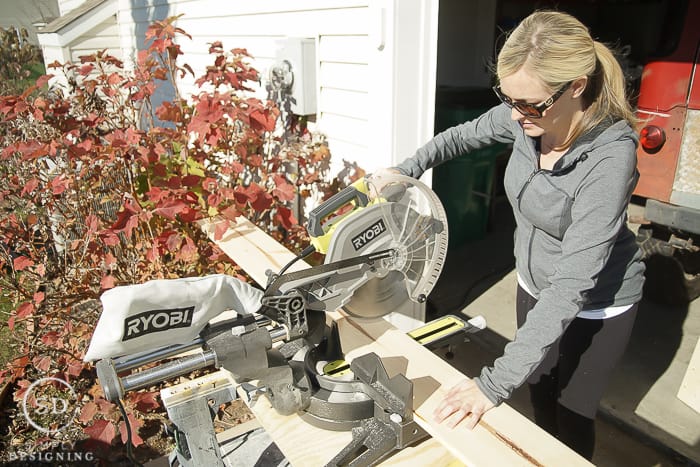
pixel 494 126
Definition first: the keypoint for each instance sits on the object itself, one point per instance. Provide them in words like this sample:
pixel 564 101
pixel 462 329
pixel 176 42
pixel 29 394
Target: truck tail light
pixel 652 138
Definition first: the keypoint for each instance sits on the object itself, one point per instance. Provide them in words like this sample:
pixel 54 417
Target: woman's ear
pixel 579 86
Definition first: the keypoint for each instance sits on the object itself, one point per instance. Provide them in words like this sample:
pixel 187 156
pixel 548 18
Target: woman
pixel 569 181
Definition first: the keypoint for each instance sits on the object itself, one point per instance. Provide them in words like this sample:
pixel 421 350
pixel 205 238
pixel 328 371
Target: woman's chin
pixel 531 129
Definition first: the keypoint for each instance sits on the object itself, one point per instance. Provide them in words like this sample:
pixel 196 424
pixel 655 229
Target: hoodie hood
pixel 606 132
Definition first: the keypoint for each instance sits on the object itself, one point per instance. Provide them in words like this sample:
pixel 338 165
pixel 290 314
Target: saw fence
pixel 502 437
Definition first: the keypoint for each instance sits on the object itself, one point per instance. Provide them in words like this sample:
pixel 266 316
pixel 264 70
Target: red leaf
pixel 171 209
pixel 58 184
pixel 191 180
pixel 109 238
pixel 135 424
pixel 221 229
pixel 88 412
pixel 107 282
pixel 152 254
pixel 189 215
pixel 241 195
pixel 50 338
pixel 283 190
pixel 75 368
pixel 231 213
pixel 259 199
pixel 122 219
pixel 145 401
pixel 255 160
pixel 188 250
pixel 262 202
pixel 22 262
pixel 105 407
pixel 38 297
pixel 285 217
pixel 86 69
pixel 174 182
pixel 92 222
pixel 101 430
pixel 44 79
pixel 42 363
pixel 110 260
pixel 262 120
pixel 24 310
pixel 173 242
pixel 30 186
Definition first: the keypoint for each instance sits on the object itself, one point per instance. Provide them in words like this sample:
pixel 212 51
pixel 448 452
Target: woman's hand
pixel 464 401
pixel 385 171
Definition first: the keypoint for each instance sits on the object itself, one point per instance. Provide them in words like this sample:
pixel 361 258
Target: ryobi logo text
pixel 369 234
pixel 157 320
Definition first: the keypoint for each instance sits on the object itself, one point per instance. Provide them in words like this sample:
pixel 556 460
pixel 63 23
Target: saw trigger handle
pixel 333 204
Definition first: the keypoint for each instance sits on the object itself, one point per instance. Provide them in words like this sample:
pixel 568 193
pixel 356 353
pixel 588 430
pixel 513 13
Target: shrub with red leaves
pixel 99 189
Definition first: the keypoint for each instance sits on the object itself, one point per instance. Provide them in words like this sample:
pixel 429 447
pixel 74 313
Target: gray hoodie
pixel 573 248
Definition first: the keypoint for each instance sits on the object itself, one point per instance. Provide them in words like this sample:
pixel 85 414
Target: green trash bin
pixel 465 184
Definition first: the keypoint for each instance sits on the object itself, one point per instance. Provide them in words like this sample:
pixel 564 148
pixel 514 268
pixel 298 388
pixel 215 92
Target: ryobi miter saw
pixel 385 241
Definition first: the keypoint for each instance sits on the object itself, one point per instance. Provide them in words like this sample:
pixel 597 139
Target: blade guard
pixel 401 214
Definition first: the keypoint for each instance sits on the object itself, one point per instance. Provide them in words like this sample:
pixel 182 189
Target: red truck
pixel 668 107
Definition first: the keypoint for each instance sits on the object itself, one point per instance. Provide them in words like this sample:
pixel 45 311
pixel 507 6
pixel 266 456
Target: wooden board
pixel 306 445
pixel 689 392
pixel 503 437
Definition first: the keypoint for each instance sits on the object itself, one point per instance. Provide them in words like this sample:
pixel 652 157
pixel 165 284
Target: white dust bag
pixel 165 312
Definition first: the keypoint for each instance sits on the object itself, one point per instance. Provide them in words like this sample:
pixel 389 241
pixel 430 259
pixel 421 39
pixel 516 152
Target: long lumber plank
pixel 689 391
pixel 503 437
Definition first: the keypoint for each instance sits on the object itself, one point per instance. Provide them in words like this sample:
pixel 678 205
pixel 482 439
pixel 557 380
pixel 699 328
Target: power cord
pixel 305 252
pixel 129 442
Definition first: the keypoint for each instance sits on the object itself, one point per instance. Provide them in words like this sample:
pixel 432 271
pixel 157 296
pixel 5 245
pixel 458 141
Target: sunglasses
pixel 530 110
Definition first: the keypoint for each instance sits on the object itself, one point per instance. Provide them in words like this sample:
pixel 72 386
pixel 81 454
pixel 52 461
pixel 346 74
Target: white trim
pixel 254 8
pixel 403 64
pixel 79 26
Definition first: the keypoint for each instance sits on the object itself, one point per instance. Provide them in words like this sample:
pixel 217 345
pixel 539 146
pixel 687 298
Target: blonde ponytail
pixel 611 99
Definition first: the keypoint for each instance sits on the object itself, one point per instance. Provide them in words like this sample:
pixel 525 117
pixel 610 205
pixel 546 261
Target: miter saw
pixel 384 240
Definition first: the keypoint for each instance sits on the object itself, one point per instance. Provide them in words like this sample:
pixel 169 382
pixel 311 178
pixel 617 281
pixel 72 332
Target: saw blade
pixel 378 297
pixel 404 215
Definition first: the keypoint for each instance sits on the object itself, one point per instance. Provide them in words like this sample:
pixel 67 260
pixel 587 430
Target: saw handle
pixel 333 204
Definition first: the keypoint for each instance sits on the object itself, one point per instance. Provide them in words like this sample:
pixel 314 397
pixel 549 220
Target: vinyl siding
pixel 339 27
pixel 101 37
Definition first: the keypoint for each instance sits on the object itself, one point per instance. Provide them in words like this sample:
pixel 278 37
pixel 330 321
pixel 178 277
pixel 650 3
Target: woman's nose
pixel 515 115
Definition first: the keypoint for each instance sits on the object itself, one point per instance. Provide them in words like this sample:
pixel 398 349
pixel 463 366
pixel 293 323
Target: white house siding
pixel 374 63
pixel 340 28
pixel 104 36
pixel 65 6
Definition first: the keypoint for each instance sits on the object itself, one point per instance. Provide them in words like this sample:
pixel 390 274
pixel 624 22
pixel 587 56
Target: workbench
pixel 503 437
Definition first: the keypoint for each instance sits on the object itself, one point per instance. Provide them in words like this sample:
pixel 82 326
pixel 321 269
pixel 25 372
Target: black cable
pixel 306 252
pixel 129 443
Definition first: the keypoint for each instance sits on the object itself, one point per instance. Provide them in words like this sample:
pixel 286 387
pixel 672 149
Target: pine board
pixel 689 392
